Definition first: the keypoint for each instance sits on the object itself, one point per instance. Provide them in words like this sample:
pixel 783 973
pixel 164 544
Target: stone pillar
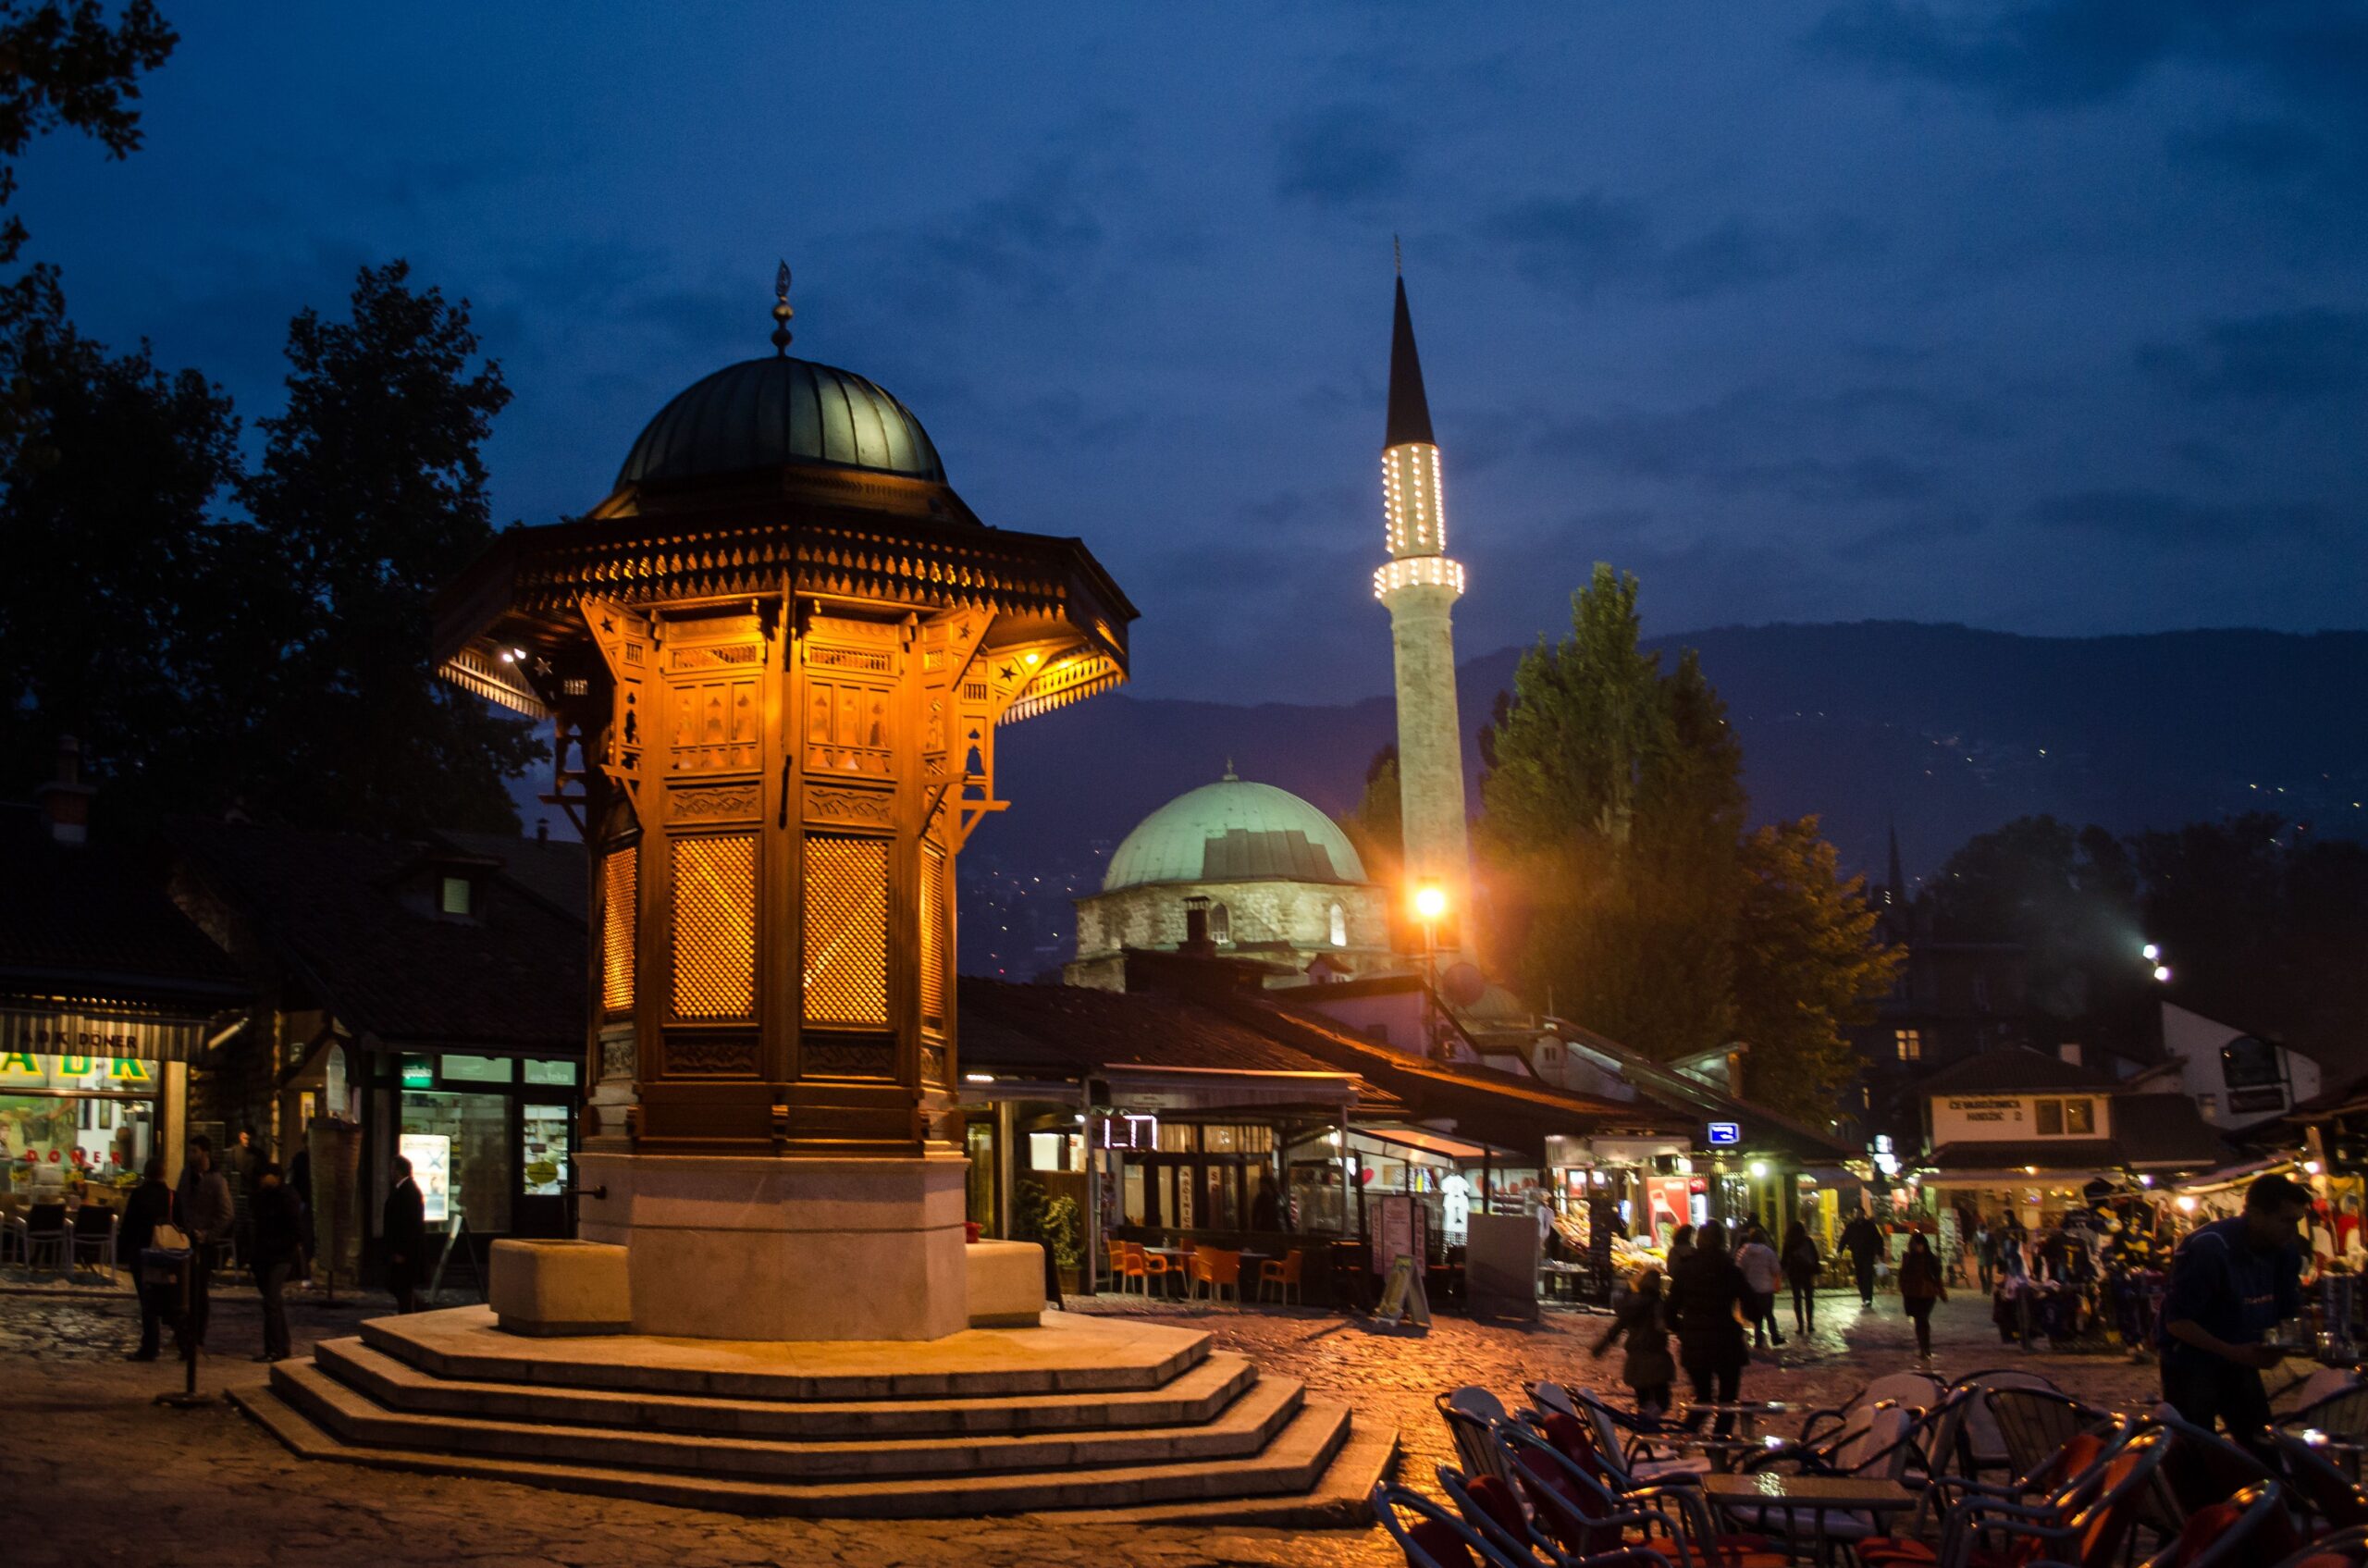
pixel 1430 746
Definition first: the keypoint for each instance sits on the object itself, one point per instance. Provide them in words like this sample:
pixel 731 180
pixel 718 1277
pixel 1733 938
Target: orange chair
pixel 1219 1270
pixel 1283 1276
pixel 1134 1263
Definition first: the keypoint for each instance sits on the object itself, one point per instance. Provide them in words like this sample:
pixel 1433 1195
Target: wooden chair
pixel 1284 1277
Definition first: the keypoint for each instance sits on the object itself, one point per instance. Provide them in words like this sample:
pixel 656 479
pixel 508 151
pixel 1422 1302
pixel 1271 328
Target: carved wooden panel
pixel 828 1055
pixel 710 1055
pixel 620 908
pixel 868 808
pixel 619 1056
pixel 714 724
pixel 933 1063
pixel 713 803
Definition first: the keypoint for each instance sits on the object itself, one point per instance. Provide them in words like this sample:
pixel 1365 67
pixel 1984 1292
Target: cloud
pixel 1733 255
pixel 2284 357
pixel 2255 149
pixel 2159 518
pixel 1575 245
pixel 1342 153
pixel 2065 54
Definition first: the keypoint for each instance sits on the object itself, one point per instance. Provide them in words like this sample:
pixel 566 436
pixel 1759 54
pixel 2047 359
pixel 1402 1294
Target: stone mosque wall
pixel 1255 916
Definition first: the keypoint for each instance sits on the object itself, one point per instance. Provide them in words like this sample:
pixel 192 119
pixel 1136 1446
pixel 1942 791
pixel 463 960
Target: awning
pixel 1438 1143
pixel 70 1032
pixel 1182 1089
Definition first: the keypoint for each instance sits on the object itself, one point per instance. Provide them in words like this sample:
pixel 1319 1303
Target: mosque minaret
pixel 1419 584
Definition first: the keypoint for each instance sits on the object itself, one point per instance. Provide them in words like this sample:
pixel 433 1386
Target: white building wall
pixel 2195 1043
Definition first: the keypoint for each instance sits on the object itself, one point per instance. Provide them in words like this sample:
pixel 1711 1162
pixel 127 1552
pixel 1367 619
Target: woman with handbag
pixel 1648 1368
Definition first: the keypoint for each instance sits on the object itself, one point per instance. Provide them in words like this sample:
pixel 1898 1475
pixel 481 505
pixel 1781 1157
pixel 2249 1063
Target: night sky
pixel 2049 317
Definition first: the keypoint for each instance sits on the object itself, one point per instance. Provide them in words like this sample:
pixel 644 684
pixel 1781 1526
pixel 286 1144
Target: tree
pixel 63 63
pixel 371 492
pixel 118 611
pixel 1376 824
pixel 2069 898
pixel 1806 966
pixel 1609 821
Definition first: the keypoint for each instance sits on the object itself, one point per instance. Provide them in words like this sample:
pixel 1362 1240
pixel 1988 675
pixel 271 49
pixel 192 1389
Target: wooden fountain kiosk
pixel 775 659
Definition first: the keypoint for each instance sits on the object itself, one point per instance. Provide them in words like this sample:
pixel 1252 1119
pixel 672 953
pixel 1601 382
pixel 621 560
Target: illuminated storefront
pixel 92 1117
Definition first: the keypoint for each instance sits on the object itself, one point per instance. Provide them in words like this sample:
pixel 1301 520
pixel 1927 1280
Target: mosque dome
pixel 1234 831
pixel 780 412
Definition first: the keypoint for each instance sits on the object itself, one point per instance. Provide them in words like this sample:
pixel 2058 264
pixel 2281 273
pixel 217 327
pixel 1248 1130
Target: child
pixel 1648 1367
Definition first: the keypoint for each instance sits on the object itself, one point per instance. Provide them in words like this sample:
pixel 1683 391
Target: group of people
pixel 274 1234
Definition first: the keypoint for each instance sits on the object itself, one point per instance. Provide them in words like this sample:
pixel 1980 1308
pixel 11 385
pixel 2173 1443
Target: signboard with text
pixel 23 1072
pixel 46 1032
pixel 1975 1118
pixel 1725 1134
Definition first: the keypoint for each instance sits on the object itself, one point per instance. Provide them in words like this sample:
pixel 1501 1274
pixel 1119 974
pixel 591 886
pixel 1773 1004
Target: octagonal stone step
pixel 1267 1487
pixel 1193 1398
pixel 1065 1354
pixel 1243 1427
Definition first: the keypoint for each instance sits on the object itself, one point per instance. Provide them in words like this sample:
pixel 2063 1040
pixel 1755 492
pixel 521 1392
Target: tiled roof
pixel 328 905
pixel 94 919
pixel 552 870
pixel 2009 1069
pixel 1072 1031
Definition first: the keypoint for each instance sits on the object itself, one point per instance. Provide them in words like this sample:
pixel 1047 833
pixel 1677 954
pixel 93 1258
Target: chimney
pixel 542 830
pixel 66 800
pixel 1196 928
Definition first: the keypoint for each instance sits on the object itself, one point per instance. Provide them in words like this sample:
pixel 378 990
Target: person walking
pixel 1707 1300
pixel 1863 1239
pixel 278 1248
pixel 1681 1247
pixel 1802 1265
pixel 150 1205
pixel 403 1230
pixel 1647 1368
pixel 207 1213
pixel 1758 1261
pixel 1919 1286
pixel 2232 1282
pixel 1985 1251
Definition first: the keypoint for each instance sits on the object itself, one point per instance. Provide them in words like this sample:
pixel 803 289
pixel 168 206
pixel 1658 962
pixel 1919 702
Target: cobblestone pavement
pixel 91 1471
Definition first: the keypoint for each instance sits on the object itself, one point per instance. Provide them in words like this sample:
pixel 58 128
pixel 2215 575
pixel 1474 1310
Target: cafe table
pixel 1768 1491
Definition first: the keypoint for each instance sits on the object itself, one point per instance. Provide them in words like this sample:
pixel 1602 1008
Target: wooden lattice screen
pixel 620 895
pixel 715 933
pixel 846 930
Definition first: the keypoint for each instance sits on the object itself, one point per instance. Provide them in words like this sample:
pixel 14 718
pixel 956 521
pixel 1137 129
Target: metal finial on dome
pixel 1230 773
pixel 782 313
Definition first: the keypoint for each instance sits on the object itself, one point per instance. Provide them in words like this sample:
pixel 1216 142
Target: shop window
pixel 1909 1044
pixel 476 1070
pixel 456 897
pixel 2051 1117
pixel 2209 1104
pixel 542 1134
pixel 557 1071
pixel 1340 926
pixel 460 1149
pixel 2081 1118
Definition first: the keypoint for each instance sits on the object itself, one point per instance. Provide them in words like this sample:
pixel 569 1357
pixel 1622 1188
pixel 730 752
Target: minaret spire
pixel 1419 584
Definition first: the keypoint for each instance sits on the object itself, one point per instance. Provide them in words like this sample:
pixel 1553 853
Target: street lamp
pixel 1430 903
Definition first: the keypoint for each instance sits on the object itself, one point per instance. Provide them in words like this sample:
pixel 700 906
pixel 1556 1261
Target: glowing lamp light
pixel 1430 901
pixel 2162 973
pixel 2145 1181
pixel 2310 1167
pixel 2150 952
pixel 2186 1204
pixel 2031 1170
pixel 977 1078
pixel 1758 1167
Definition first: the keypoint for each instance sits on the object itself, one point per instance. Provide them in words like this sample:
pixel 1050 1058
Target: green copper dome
pixel 1234 831
pixel 774 413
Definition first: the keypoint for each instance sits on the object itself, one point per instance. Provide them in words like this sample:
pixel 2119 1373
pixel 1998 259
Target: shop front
pixel 489 1137
pixel 87 1097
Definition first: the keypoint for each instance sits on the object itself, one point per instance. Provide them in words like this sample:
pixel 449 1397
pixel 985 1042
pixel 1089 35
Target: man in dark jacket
pixel 150 1205
pixel 279 1244
pixel 402 1229
pixel 2232 1282
pixel 205 1210
pixel 1863 1239
pixel 1707 1299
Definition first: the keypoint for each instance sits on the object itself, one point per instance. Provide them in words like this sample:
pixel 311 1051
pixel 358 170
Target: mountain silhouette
pixel 1943 730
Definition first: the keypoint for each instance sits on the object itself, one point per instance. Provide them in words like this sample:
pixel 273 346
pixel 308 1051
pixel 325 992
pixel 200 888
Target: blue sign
pixel 1725 1133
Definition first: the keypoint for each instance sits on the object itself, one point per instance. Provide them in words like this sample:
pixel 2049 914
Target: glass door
pixel 546 1140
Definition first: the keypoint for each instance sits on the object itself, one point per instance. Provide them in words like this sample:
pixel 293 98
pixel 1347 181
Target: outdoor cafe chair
pixel 94 1231
pixel 1494 1510
pixel 2035 1423
pixel 2251 1527
pixel 2345 1549
pixel 2305 1392
pixel 1882 1453
pixel 2087 1526
pixel 2203 1469
pixel 1283 1275
pixel 49 1241
pixel 1980 1445
pixel 2059 1484
pixel 1587 1516
pixel 1434 1539
pixel 1219 1270
pixel 1910 1389
pixel 1622 1438
pixel 1470 1413
pixel 2339 1409
pixel 2314 1483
